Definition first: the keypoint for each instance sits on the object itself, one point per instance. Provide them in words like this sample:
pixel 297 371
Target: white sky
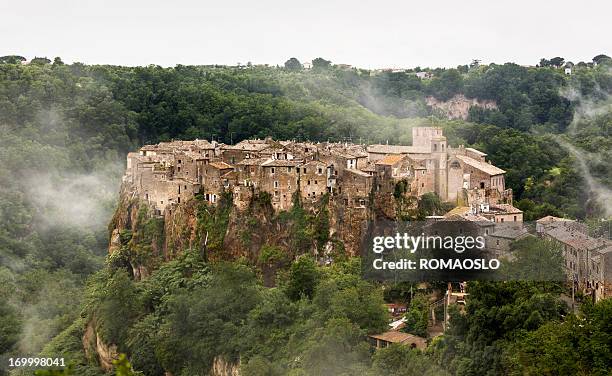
pixel 369 34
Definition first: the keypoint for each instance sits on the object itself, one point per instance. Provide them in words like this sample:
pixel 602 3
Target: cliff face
pixel 267 238
pixel 458 107
pixel 257 233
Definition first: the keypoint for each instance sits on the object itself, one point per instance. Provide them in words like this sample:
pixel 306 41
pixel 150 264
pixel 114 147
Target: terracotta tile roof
pixel 393 336
pixel 485 167
pixel 280 163
pixel 573 238
pixel 506 208
pixel 550 218
pixel 509 232
pixel 220 165
pixel 390 159
pixel 358 172
pixel 478 152
pixel 252 161
pixel 249 145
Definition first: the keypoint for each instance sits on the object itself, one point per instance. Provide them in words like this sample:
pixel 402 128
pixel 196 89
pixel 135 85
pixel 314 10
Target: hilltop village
pixel 169 173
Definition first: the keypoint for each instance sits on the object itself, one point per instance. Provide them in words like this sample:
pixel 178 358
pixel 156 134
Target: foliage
pixel 303 277
pixel 417 316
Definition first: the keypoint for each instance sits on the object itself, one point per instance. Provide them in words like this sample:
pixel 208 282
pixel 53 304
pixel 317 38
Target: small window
pixel 320 170
pixel 515 218
pixel 316 182
pixel 275 184
pixel 304 169
pixel 273 170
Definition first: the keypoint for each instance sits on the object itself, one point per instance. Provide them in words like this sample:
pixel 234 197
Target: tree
pixel 601 58
pixel 58 61
pixel 40 61
pixel 12 59
pixel 293 64
pixel 320 63
pixel 303 277
pixel 417 316
pixel 544 63
pixel 557 61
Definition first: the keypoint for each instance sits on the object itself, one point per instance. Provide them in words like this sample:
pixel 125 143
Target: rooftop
pixel 485 167
pixel 393 336
pixel 397 149
pixel 390 160
pixel 221 165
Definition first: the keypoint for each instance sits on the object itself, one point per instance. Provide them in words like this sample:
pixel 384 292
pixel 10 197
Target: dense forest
pixel 67 127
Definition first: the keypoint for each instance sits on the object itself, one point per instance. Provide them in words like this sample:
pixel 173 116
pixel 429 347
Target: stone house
pixel 314 181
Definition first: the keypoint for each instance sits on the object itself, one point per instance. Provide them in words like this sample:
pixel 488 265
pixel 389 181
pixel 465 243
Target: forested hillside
pixel 67 128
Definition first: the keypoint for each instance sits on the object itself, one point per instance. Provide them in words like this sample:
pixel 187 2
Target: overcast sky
pixel 369 34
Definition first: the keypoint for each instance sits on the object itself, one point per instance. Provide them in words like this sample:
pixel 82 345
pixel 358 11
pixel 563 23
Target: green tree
pixel 303 278
pixel 293 64
pixel 320 63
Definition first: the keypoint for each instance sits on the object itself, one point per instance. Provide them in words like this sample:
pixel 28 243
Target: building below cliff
pixel 169 173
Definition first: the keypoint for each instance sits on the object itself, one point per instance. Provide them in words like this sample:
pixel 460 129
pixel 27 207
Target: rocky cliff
pixel 458 107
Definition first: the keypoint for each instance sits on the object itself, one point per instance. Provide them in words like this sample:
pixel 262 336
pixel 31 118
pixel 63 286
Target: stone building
pixel 588 260
pixel 171 172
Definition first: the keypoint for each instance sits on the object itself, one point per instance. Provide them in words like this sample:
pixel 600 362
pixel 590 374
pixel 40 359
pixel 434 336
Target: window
pixel 316 182
pixel 273 170
pixel 423 172
pixel 304 169
pixel 179 161
pixel 308 182
pixel 515 218
pixel 320 170
pixel 275 184
pixel 288 169
pixel 179 169
pixel 162 202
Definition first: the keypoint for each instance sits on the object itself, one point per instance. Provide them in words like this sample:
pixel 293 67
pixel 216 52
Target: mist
pixel 587 109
